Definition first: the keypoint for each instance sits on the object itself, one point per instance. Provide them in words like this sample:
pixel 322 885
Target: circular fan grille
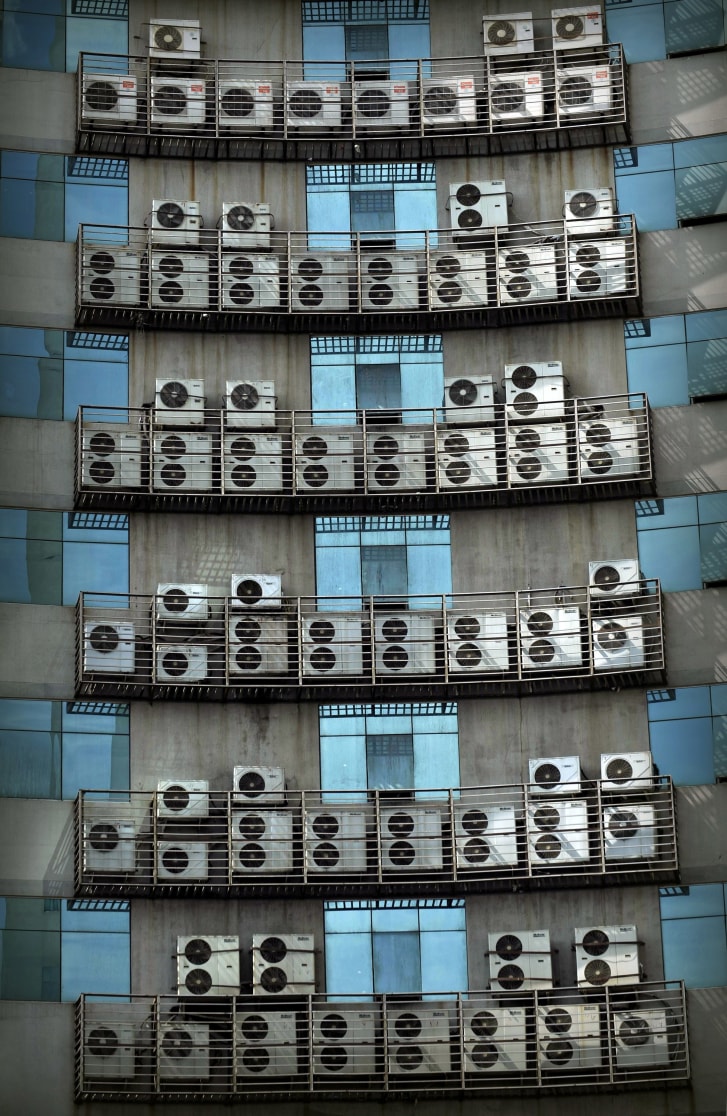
pixel 467 627
pixel 400 825
pixel 394 630
pixel 449 293
pixel 374 104
pixel 583 204
pixel 256 1060
pixel 237 102
pixel 448 266
pixel 102 1042
pixel 407 1025
pixel 597 972
pixel 101 96
pixel 440 100
pixel 254 1028
pixel 599 463
pixel 467 654
pixel 469 219
pixel 175 798
pixel 501 33
pixel 103 837
pixel 619 770
pixel 315 448
pixel 476 851
pixel 305 104
pixel 484 1024
pixel 273 950
pixel 380 268
pixel 167 37
pixel 326 855
pixel 402 854
pixel 519 287
pixel 251 784
pixel 251 827
pixel 248 658
pixel 249 591
pixel 574 91
pixel 409 1058
pixel 175 860
pixel 607 577
pixel 462 393
pixel 333 1027
pixel 274 979
pixel 546 818
pixel 511 976
pixel 569 27
pixel 251 856
pixel 529 468
pixel 508 96
pixel 558 1021
pixel 322 631
pixel 634 1031
pixel 540 623
pixel 560 1052
pixel 198 982
pixel 334 1058
pixel 240 218
pixel 485 1055
pixel 623 825
pixel 456 444
pixel 198 951
pixel 468 194
pixel 326 825
pixel 177 1044
pixel 174 395
pixel 595 942
pixel 508 947
pixel 170 100
pixel 611 637
pixel 104 638
pixel 241 267
pixel 244 397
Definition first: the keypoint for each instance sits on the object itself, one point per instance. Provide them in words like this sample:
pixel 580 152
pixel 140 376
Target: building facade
pixel 377 732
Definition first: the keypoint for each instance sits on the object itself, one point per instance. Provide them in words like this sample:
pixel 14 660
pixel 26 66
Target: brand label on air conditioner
pixel 400 87
pixel 333 89
pixel 465 85
pixel 264 88
pixel 128 83
pixel 601 74
pixel 534 79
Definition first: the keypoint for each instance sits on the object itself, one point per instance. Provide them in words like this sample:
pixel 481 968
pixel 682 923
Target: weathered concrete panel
pixel 37 287
pixel 696 635
pixel 37 655
pixel 676 98
pixel 683 269
pixel 36 463
pixel 37 111
pixel 36 847
pixel 690 448
pixel 702 827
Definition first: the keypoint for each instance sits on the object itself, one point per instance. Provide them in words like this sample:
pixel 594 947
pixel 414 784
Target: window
pixel 50 34
pixel 680 358
pixel 50 373
pixel 670 184
pixel 335 31
pixel 50 557
pixel 654 29
pixel 688 733
pixel 370 198
pixel 694 934
pixel 46 197
pixel 683 540
pixel 49 751
pixel 55 949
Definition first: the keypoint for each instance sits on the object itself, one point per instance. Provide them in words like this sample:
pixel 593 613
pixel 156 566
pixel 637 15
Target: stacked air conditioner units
pixel 597 268
pixel 449 101
pixel 109 837
pixel 179 280
pixel 411 839
pixel 175 222
pixel 520 960
pixel 266 1044
pixel 583 90
pixel 246 225
pixel 263 786
pixel 184 1050
pixel 250 281
pixel 509 33
pixel 182 612
pixel 283 965
pixel 476 207
pixel 177 40
pixel 208 965
pixel 243 103
pixel 262 841
pixel 537 454
pixel 333 645
pixel 335 840
pixel 469 400
pixel 569 1037
pixel 466 459
pixel 325 460
pixel 417 1039
pixel 557 833
pixel 111 275
pixel 606 955
pixel 312 106
pixel 256 645
pixel 516 97
pixel 494 1039
pixel 180 806
pixel 108 99
pixel 320 281
pixel 380 105
pixel 618 643
pixel 629 831
pixel 179 403
pixel 182 462
pixel 112 456
pixel 609 448
pixel 484 836
pixel 178 103
pixel 458 279
pixel 576 28
pixel 642 1038
pixel 627 772
pixel 550 638
pixel 535 392
pixel 527 273
pixel 589 211
pixel 477 642
pixel 405 644
pixel 344 1039
pixel 389 281
pixel 253 462
pixel 250 404
pixel 181 861
pixel 262 592
pixel 109 648
pixel 396 460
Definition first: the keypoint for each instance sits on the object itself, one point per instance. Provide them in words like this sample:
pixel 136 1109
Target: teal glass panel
pixel 408 40
pixel 661 372
pixel 324 43
pixel 701 191
pixel 667 330
pixel 357 920
pixel 333 386
pixel 397 962
pixel 444 961
pixel 673 556
pixel 349 964
pixel 100 204
pixel 94 762
pixel 32 571
pixel 38 715
pixel 707 368
pixel 101 383
pixel 89 920
pixel 95 963
pixel 430 572
pixel 390 761
pixel 31 210
pixel 436 763
pixel 33 42
pixel 343 764
pixel 31 387
pixel 650 196
pixel 700 150
pixel 693 25
pixel 676 511
pixel 94 568
pixel 640 29
pixel 395 920
pixel 712 507
pixel 30 764
pixel 338 575
pixel 684 750
pixel 700 901
pixel 719 745
pixel 713 549
pixel 30 965
pixel 706 325
pixel 718 695
pixel 688 701
pixel 695 951
pixel 105 36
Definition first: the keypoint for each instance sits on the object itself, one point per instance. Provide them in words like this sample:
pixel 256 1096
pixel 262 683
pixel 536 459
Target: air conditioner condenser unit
pixel 550 638
pixel 467 458
pixel 250 281
pixel 335 840
pixel 250 403
pixel 180 280
pixel 535 392
pixel 255 785
pixel 283 964
pixel 244 104
pixel 178 103
pixel 396 460
pixel 642 1038
pixel 345 1038
pixel 109 648
pixel 182 462
pixel 520 960
pixel 110 275
pixel 477 207
pixel 477 642
pixel 618 643
pixel 405 643
pixel 180 607
pixel 246 225
pixel 108 99
pixel 111 456
pixel 448 102
pixel 325 460
pixel 583 90
pixel 606 955
pixel 179 403
pixel 256 591
pixel 109 1049
pixel 411 839
pixel 182 861
pixel 538 454
pixel 175 222
pixel 629 831
pixel 262 841
pixel 469 400
pixel 184 1051
pixel 266 1044
pixel 598 268
pixel 609 449
pixel 257 645
pixel 494 1039
pixel 174 40
pixel 527 273
pixel 557 833
pixel 109 837
pixel 459 279
pixel 182 799
pixel 208 965
pixel 333 645
pixel 320 281
pixel 516 98
pixel 576 28
pixel 418 1039
pixel 180 664
pixel 312 105
pixel 618 578
pixel 253 462
pixel 554 775
pixel 569 1037
pixel 627 772
pixel 589 210
pixel 485 836
pixel 389 281
pixel 509 33
pixel 380 105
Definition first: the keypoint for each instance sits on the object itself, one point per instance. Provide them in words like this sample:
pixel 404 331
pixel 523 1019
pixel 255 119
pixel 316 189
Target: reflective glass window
pixel 640 28
pixel 49 34
pixel 687 731
pixel 654 29
pixel 694 935
pixel 669 184
pixel 682 540
pixel 693 25
pixel 390 761
pixel 679 358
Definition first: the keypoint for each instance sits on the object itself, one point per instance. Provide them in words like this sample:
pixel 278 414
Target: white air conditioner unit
pixel 477 206
pixel 178 39
pixel 335 840
pixel 266 1043
pixel 250 281
pixel 405 643
pixel 180 280
pixel 469 400
pixel 181 663
pixel 589 211
pixel 516 98
pixel 494 1039
pixel 417 1039
pixel 283 964
pixel 184 1051
pixel 244 104
pixel 108 99
pixel 320 281
pixel 538 454
pixel 182 603
pixel 509 33
pixel 182 861
pixel 250 403
pixel 554 775
pixel 208 965
pixel 557 833
pixel 182 462
pixel 466 458
pixel 253 462
pixel 111 275
pixel 625 772
pixel 484 836
pixel 109 1049
pixel 527 273
pixel 312 105
pixel 112 455
pixel 458 279
pixel 520 960
pixel 619 578
pixel 175 222
pixel 606 955
pixel 411 839
pixel 447 102
pixel 332 645
pixel 178 103
pixel 583 90
pixel 389 281
pixel 258 591
pixel 246 225
pixel 575 28
pixel 396 460
pixel 477 642
pixel 642 1038
pixel 262 841
pixel 108 648
pixel 325 461
pixel 629 832
pixel 182 798
pixel 344 1039
pixel 179 403
pixel 609 449
pixel 550 638
pixel 597 268
pixel 380 105
pixel 618 643
pixel 257 645
pixel 109 837
pixel 569 1037
pixel 535 391
pixel 258 786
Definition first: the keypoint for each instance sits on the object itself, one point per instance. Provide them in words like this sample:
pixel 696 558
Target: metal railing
pixel 191 277
pixel 452 1044
pixel 185 838
pixel 394 108
pixel 187 643
pixel 296 461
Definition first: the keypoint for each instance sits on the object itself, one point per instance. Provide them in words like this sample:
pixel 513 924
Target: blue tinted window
pixel 693 25
pixel 694 935
pixel 666 184
pixel 683 540
pixel 49 34
pixel 678 358
pixel 653 29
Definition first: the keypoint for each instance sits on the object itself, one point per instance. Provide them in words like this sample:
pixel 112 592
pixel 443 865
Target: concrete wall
pixel 37 651
pixel 36 848
pixel 678 97
pixel 696 636
pixel 683 269
pixel 230 28
pixel 37 283
pixel 37 111
pixel 36 463
pixel 702 829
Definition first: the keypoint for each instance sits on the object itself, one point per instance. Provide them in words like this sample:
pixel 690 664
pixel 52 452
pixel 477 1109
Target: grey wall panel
pixel 37 651
pixel 36 284
pixel 696 637
pixel 702 821
pixel 37 111
pixel 37 1041
pixel 36 463
pixel 683 269
pixel 690 448
pixel 36 847
pixel 677 98
pixel 230 28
